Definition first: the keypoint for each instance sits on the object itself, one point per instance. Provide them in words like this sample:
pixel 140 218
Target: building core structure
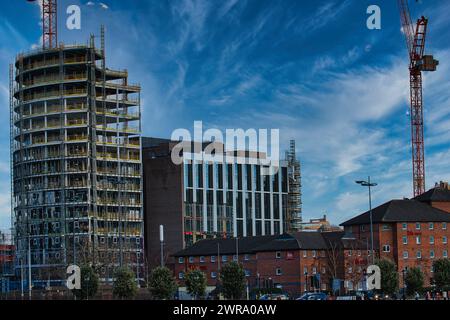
pixel 75 163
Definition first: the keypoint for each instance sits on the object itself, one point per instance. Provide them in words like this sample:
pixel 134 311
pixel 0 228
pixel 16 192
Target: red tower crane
pixel 49 23
pixel 418 62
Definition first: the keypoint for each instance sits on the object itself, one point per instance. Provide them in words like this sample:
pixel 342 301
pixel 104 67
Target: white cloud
pixel 323 15
pixel 103 5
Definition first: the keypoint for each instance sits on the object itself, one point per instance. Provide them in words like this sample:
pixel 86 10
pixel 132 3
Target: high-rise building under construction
pixel 76 164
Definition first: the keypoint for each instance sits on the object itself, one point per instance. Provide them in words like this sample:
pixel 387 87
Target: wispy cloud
pixel 323 15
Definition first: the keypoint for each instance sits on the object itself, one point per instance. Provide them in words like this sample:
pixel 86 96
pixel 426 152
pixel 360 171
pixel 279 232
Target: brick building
pixel 295 263
pixel 438 197
pixel 410 232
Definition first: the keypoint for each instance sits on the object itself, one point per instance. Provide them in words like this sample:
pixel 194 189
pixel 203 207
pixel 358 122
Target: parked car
pixel 274 296
pixel 313 296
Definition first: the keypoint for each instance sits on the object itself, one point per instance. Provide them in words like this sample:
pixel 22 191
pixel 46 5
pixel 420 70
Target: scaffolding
pixel 294 210
pixel 76 185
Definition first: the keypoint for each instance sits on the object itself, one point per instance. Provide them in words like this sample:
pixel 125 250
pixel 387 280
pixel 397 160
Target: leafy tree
pixel 162 284
pixel 414 281
pixel 442 274
pixel 195 283
pixel 389 276
pixel 89 283
pixel 233 280
pixel 125 286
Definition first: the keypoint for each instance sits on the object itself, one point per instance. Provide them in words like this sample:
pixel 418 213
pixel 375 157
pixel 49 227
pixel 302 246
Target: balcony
pixel 53 94
pixel 76 137
pixel 52 62
pixel 42 80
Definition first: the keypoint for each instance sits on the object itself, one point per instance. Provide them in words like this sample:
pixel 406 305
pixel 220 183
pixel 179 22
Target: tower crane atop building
pixel 49 23
pixel 418 62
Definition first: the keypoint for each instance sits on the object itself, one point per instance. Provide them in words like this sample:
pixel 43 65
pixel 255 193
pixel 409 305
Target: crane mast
pixel 49 23
pixel 418 62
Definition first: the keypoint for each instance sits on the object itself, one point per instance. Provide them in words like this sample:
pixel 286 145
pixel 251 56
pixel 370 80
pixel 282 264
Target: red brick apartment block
pixel 410 232
pixel 297 262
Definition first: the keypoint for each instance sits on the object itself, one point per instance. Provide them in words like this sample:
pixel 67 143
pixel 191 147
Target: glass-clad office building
pixel 229 199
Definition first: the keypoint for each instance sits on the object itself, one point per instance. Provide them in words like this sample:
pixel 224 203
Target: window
pixel 213 259
pixel 191 259
pixel 444 254
pixel 305 270
pixel 246 257
pixel 359 253
pixel 350 270
pixel 431 254
pixel 362 228
pixel 102 240
pixel 235 257
pixel 278 272
pixel 247 273
pixel 405 255
pixel 181 275
pixel 314 253
pixel 444 225
pixel 386 227
pixel 305 253
pixel 324 270
pixel 419 255
pixel 404 226
pixel 202 259
pixel 431 239
pixel 431 226
pixel 314 270
pixel 278 254
pixel 224 258
pixel 213 275
pixel 418 240
pixel 417 225
pixel 444 240
pixel 350 253
pixel 405 239
pixel 386 248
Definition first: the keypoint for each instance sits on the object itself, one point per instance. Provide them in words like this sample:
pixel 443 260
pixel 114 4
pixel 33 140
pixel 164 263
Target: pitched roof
pixel 401 211
pixel 209 247
pixel 285 242
pixel 435 194
pixel 280 243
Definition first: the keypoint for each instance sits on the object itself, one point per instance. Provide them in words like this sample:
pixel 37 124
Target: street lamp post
pixel 369 184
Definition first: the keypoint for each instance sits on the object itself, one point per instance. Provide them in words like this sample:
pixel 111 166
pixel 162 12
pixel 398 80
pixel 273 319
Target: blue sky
pixel 310 68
